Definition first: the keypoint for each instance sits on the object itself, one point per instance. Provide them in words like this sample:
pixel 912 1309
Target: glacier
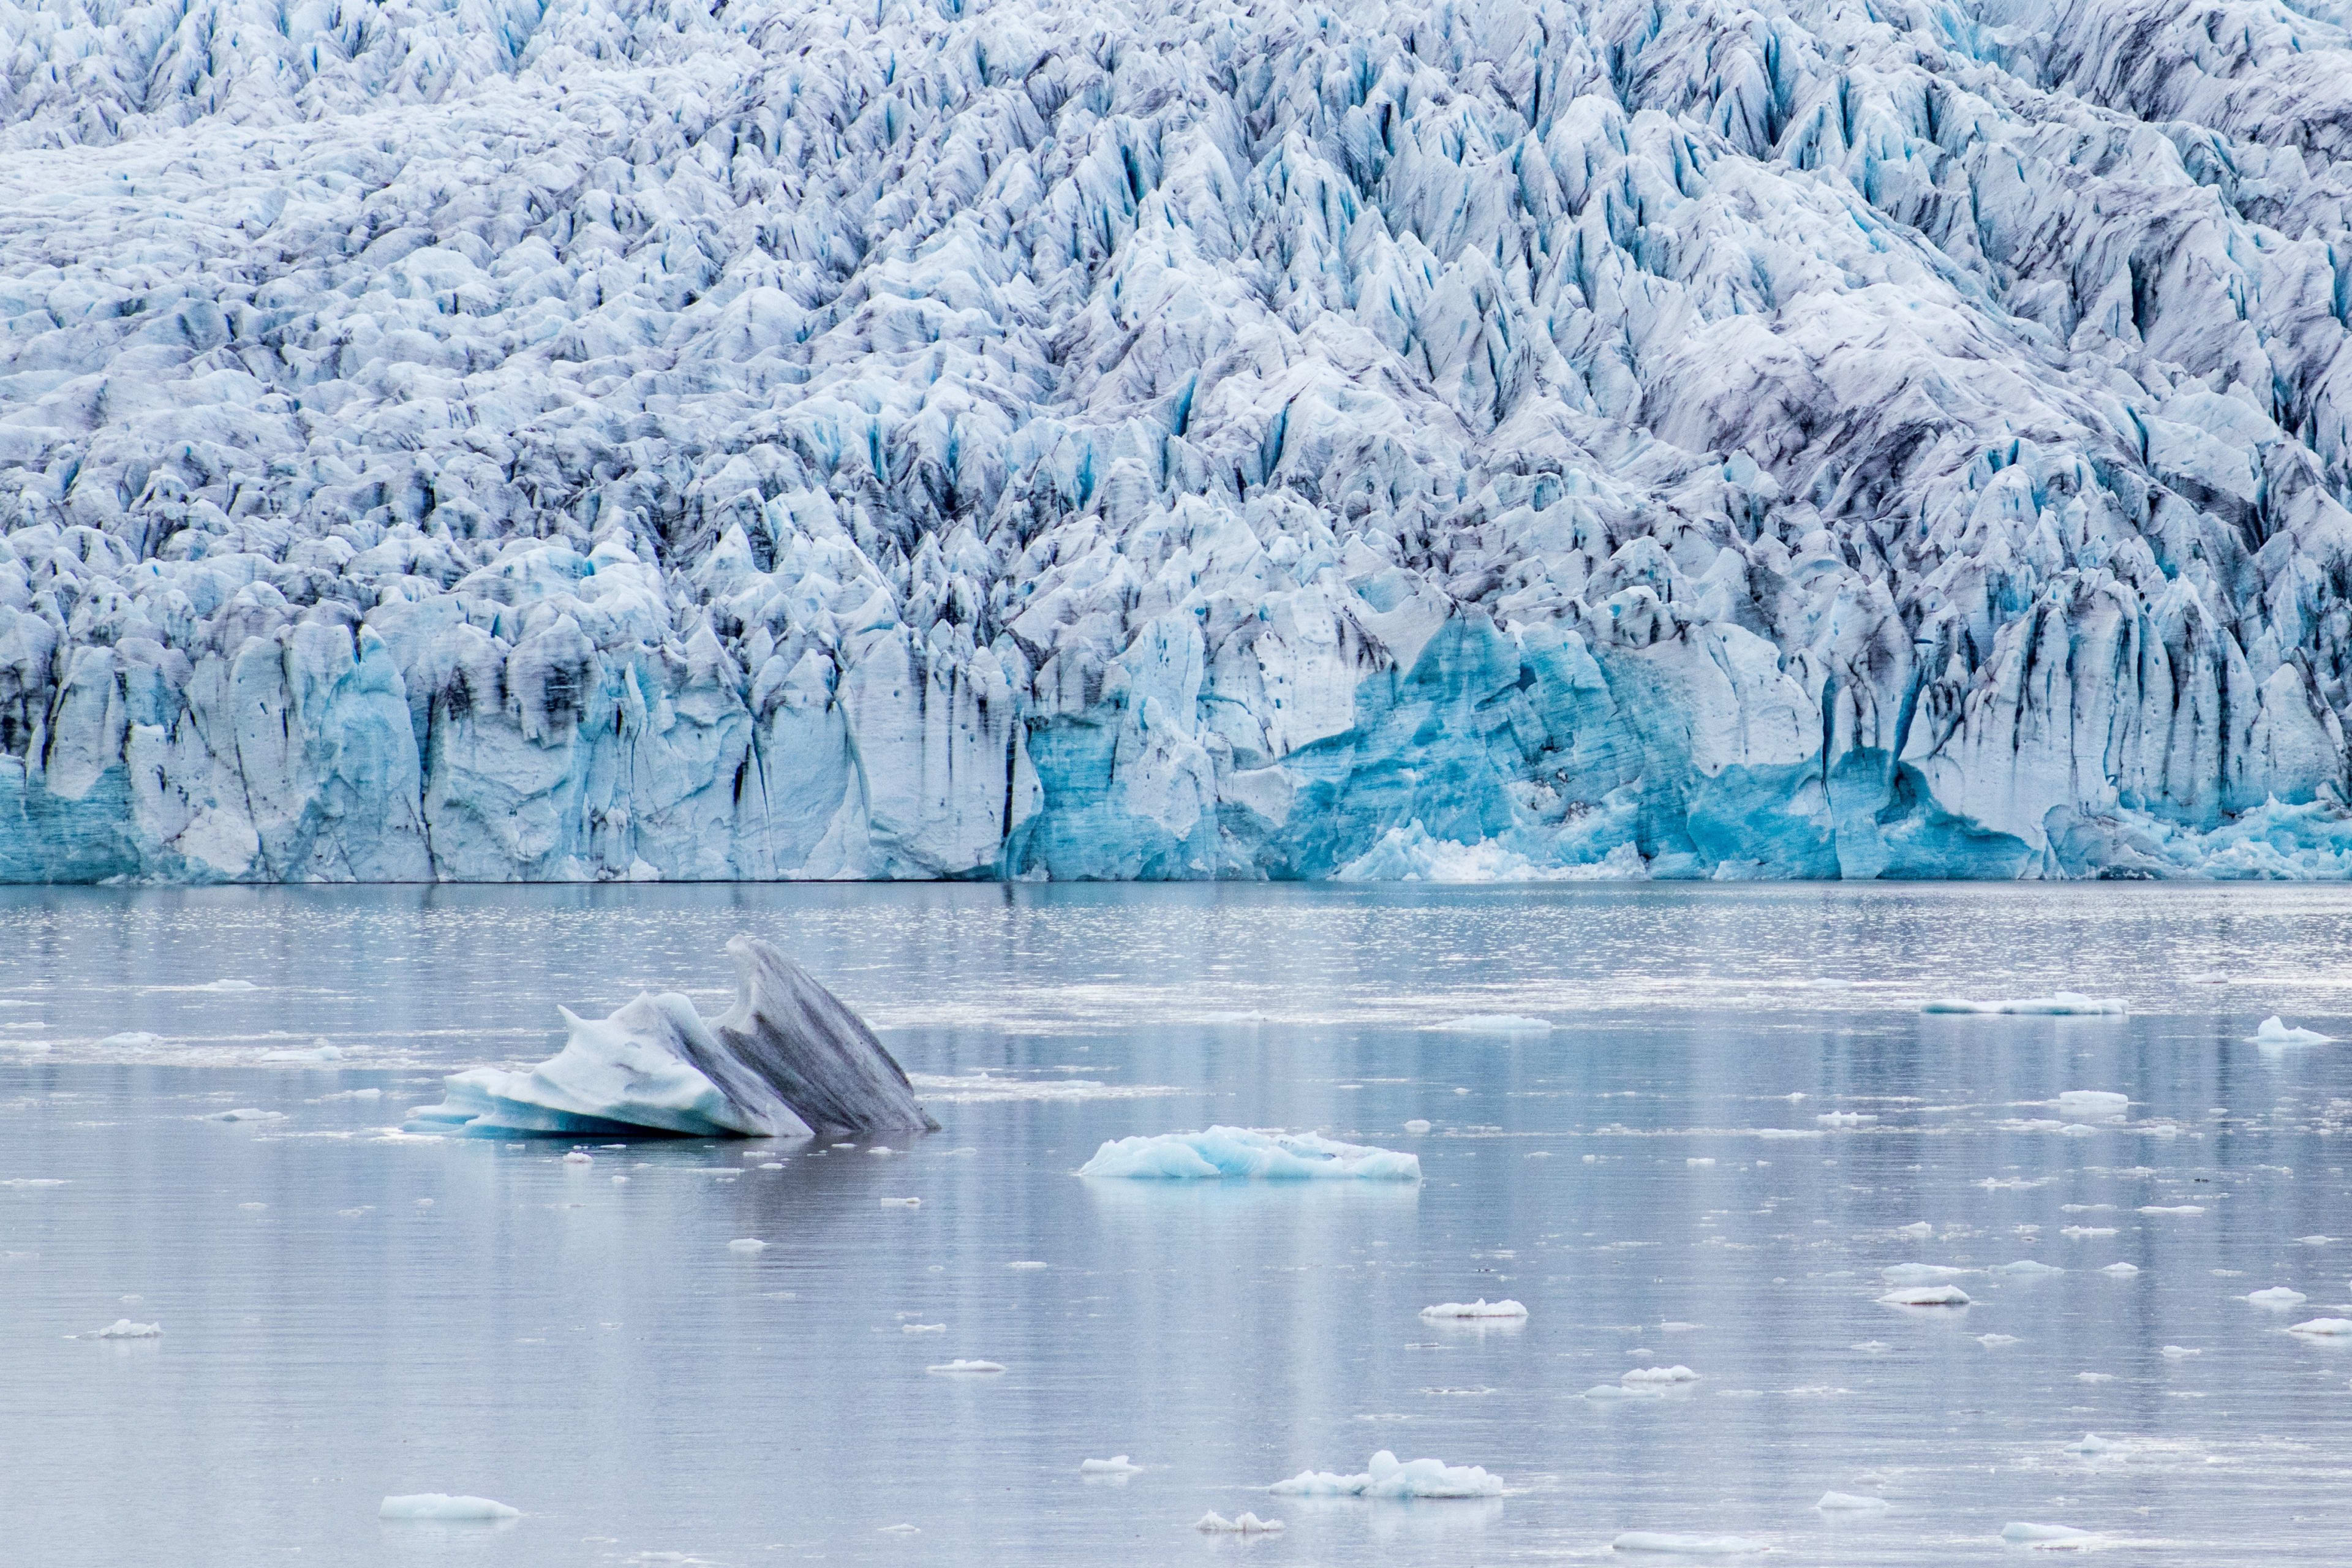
pixel 1440 439
pixel 787 1060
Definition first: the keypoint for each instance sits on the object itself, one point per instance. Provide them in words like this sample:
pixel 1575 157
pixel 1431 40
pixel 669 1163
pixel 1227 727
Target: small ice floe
pixel 247 1113
pixel 1918 1230
pixel 2062 1004
pixel 304 1056
pixel 748 1246
pixel 579 1157
pixel 2172 1209
pixel 2274 1032
pixel 2120 1271
pixel 1416 1126
pixel 2094 1105
pixel 1388 1477
pixel 923 1328
pixel 1221 1151
pixel 1479 1309
pixel 1248 1524
pixel 1847 1502
pixel 2314 1240
pixel 2322 1328
pixel 2278 1298
pixel 1658 1377
pixel 1995 1342
pixel 1843 1119
pixel 2178 1352
pixel 2095 1377
pixel 226 985
pixel 1493 1023
pixel 124 1328
pixel 1871 1347
pixel 2092 1445
pixel 2027 1269
pixel 1667 1544
pixel 880 1148
pixel 443 1506
pixel 2048 1537
pixel 902 1203
pixel 962 1368
pixel 2081 1232
pixel 1116 1465
pixel 130 1040
pixel 1921 1273
pixel 900 1529
pixel 1024 1263
pixel 34 1182
pixel 1926 1296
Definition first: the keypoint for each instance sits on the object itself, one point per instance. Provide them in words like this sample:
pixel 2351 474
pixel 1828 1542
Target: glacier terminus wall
pixel 499 439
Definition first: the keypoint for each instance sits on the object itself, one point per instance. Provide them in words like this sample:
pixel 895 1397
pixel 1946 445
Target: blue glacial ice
pixel 1492 439
pixel 788 1060
pixel 1217 1152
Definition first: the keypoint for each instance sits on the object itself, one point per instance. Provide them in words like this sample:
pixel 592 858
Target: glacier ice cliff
pixel 788 1060
pixel 506 439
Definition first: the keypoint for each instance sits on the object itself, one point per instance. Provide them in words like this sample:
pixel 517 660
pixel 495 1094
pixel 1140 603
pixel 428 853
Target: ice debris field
pixel 1505 440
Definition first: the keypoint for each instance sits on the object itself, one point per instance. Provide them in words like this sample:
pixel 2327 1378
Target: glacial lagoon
pixel 1685 1127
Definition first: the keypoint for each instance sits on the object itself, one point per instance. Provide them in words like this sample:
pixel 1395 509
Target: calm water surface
pixel 348 1312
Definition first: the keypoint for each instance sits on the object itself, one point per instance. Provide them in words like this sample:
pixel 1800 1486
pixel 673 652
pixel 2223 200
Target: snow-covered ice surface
pixel 319 1321
pixel 1516 439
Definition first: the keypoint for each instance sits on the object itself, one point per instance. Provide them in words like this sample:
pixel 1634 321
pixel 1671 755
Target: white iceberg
pixel 2278 1298
pixel 1218 1152
pixel 787 1060
pixel 2063 1004
pixel 1494 1023
pixel 445 1507
pixel 960 1367
pixel 247 1113
pixel 1479 1309
pixel 1669 1543
pixel 2275 1032
pixel 124 1328
pixel 1849 1502
pixel 1658 1377
pixel 2048 1537
pixel 1926 1296
pixel 1387 1477
pixel 2028 1268
pixel 1116 1465
pixel 2094 1105
pixel 2121 1270
pixel 2322 1328
pixel 1213 1523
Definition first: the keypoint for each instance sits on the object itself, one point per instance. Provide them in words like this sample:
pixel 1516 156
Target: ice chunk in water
pixel 1116 1465
pixel 1918 1230
pixel 247 1113
pixel 443 1506
pixel 579 1157
pixel 2027 1268
pixel 1847 1502
pixel 1921 1273
pixel 2322 1328
pixel 1494 1023
pixel 2062 1004
pixel 1667 1544
pixel 1994 1342
pixel 2094 1105
pixel 2278 1298
pixel 750 1246
pixel 1247 1524
pixel 1658 1377
pixel 1926 1296
pixel 962 1368
pixel 124 1328
pixel 2046 1537
pixel 1417 1126
pixel 1388 1477
pixel 2275 1032
pixel 1220 1152
pixel 1481 1308
pixel 2178 1352
pixel 2121 1270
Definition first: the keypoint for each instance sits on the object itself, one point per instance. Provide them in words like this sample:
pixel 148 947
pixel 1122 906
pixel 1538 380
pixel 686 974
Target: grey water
pixel 348 1312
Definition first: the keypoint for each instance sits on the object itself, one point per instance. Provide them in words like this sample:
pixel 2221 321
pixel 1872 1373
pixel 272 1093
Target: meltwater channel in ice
pixel 1731 1256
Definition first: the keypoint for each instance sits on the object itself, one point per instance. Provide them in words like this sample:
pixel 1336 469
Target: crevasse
pixel 787 439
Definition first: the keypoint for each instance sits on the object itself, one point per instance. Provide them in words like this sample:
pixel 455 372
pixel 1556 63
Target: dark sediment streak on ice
pixel 787 1060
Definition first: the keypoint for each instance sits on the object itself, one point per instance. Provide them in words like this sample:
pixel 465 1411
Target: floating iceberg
pixel 2278 1298
pixel 2048 1537
pixel 1926 1296
pixel 960 1367
pixel 1116 1465
pixel 2063 1004
pixel 2028 1268
pixel 1658 1377
pixel 443 1506
pixel 124 1328
pixel 2094 1104
pixel 1387 1477
pixel 2274 1032
pixel 787 1060
pixel 2322 1328
pixel 1479 1309
pixel 1667 1544
pixel 1848 1502
pixel 1221 1151
pixel 1494 1023
pixel 1216 1523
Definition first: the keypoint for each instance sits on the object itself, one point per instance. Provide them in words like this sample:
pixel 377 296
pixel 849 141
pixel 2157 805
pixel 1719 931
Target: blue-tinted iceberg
pixel 789 1059
pixel 2063 1004
pixel 1222 1152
